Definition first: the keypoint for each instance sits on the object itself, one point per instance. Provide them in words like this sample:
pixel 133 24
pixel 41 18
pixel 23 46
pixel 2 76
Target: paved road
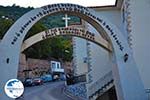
pixel 48 91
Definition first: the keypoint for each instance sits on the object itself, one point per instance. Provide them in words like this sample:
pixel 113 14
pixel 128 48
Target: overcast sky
pixel 39 3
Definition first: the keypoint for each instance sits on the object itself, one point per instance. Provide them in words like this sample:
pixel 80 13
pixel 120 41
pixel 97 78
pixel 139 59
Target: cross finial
pixel 66 18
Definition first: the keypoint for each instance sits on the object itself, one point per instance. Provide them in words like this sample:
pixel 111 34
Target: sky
pixel 39 3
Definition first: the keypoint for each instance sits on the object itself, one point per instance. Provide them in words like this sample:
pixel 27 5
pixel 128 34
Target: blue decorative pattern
pixel 78 90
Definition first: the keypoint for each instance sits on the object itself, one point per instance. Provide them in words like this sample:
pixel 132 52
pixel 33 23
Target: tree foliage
pixel 62 48
pixel 5 24
pixel 41 49
pixel 58 47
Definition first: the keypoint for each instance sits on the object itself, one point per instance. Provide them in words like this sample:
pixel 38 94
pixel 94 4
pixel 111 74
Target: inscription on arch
pixel 69 31
pixel 56 8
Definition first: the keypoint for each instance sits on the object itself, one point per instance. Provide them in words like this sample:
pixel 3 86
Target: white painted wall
pixel 100 61
pixel 139 27
pixel 140 31
pixel 113 15
pixel 100 58
pixel 80 52
pixel 140 35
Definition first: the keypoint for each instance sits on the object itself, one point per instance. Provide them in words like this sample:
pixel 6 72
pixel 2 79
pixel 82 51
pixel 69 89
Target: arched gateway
pixel 127 80
pixel 63 31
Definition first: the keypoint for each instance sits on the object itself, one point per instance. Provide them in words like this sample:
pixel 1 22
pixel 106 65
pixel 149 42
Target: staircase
pixel 101 86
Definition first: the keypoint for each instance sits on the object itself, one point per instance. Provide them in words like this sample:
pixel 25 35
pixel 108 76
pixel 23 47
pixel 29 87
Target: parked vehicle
pixel 47 78
pixel 37 81
pixel 55 77
pixel 28 82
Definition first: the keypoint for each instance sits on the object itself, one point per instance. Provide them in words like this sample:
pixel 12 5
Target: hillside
pixel 44 49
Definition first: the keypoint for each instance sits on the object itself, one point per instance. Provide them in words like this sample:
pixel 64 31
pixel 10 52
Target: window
pixel 58 65
pixel 53 65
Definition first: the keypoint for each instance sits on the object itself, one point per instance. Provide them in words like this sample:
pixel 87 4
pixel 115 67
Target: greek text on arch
pixel 77 8
pixel 70 8
pixel 114 36
pixel 67 7
pixel 64 31
pixel 23 27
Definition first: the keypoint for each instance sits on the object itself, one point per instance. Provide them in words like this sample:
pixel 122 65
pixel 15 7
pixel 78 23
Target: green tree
pixel 5 24
pixel 38 27
pixel 41 49
pixel 61 48
pixel 58 47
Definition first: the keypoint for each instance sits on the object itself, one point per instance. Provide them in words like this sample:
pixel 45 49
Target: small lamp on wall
pixel 126 57
pixel 7 60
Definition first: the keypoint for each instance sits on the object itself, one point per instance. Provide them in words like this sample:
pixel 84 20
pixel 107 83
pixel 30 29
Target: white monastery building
pixel 132 18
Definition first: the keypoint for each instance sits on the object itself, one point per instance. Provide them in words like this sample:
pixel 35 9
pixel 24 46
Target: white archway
pixel 63 31
pixel 127 80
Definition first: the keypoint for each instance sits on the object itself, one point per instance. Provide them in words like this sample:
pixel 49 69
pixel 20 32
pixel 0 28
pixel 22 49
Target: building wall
pixel 114 16
pixel 68 67
pixel 80 55
pixel 22 66
pixel 38 67
pixel 100 58
pixel 35 67
pixel 100 62
pixel 31 67
pixel 140 24
pixel 135 29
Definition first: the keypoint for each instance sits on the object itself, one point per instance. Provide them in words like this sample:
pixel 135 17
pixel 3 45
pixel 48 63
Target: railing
pixel 101 83
pixel 81 78
pixel 76 79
